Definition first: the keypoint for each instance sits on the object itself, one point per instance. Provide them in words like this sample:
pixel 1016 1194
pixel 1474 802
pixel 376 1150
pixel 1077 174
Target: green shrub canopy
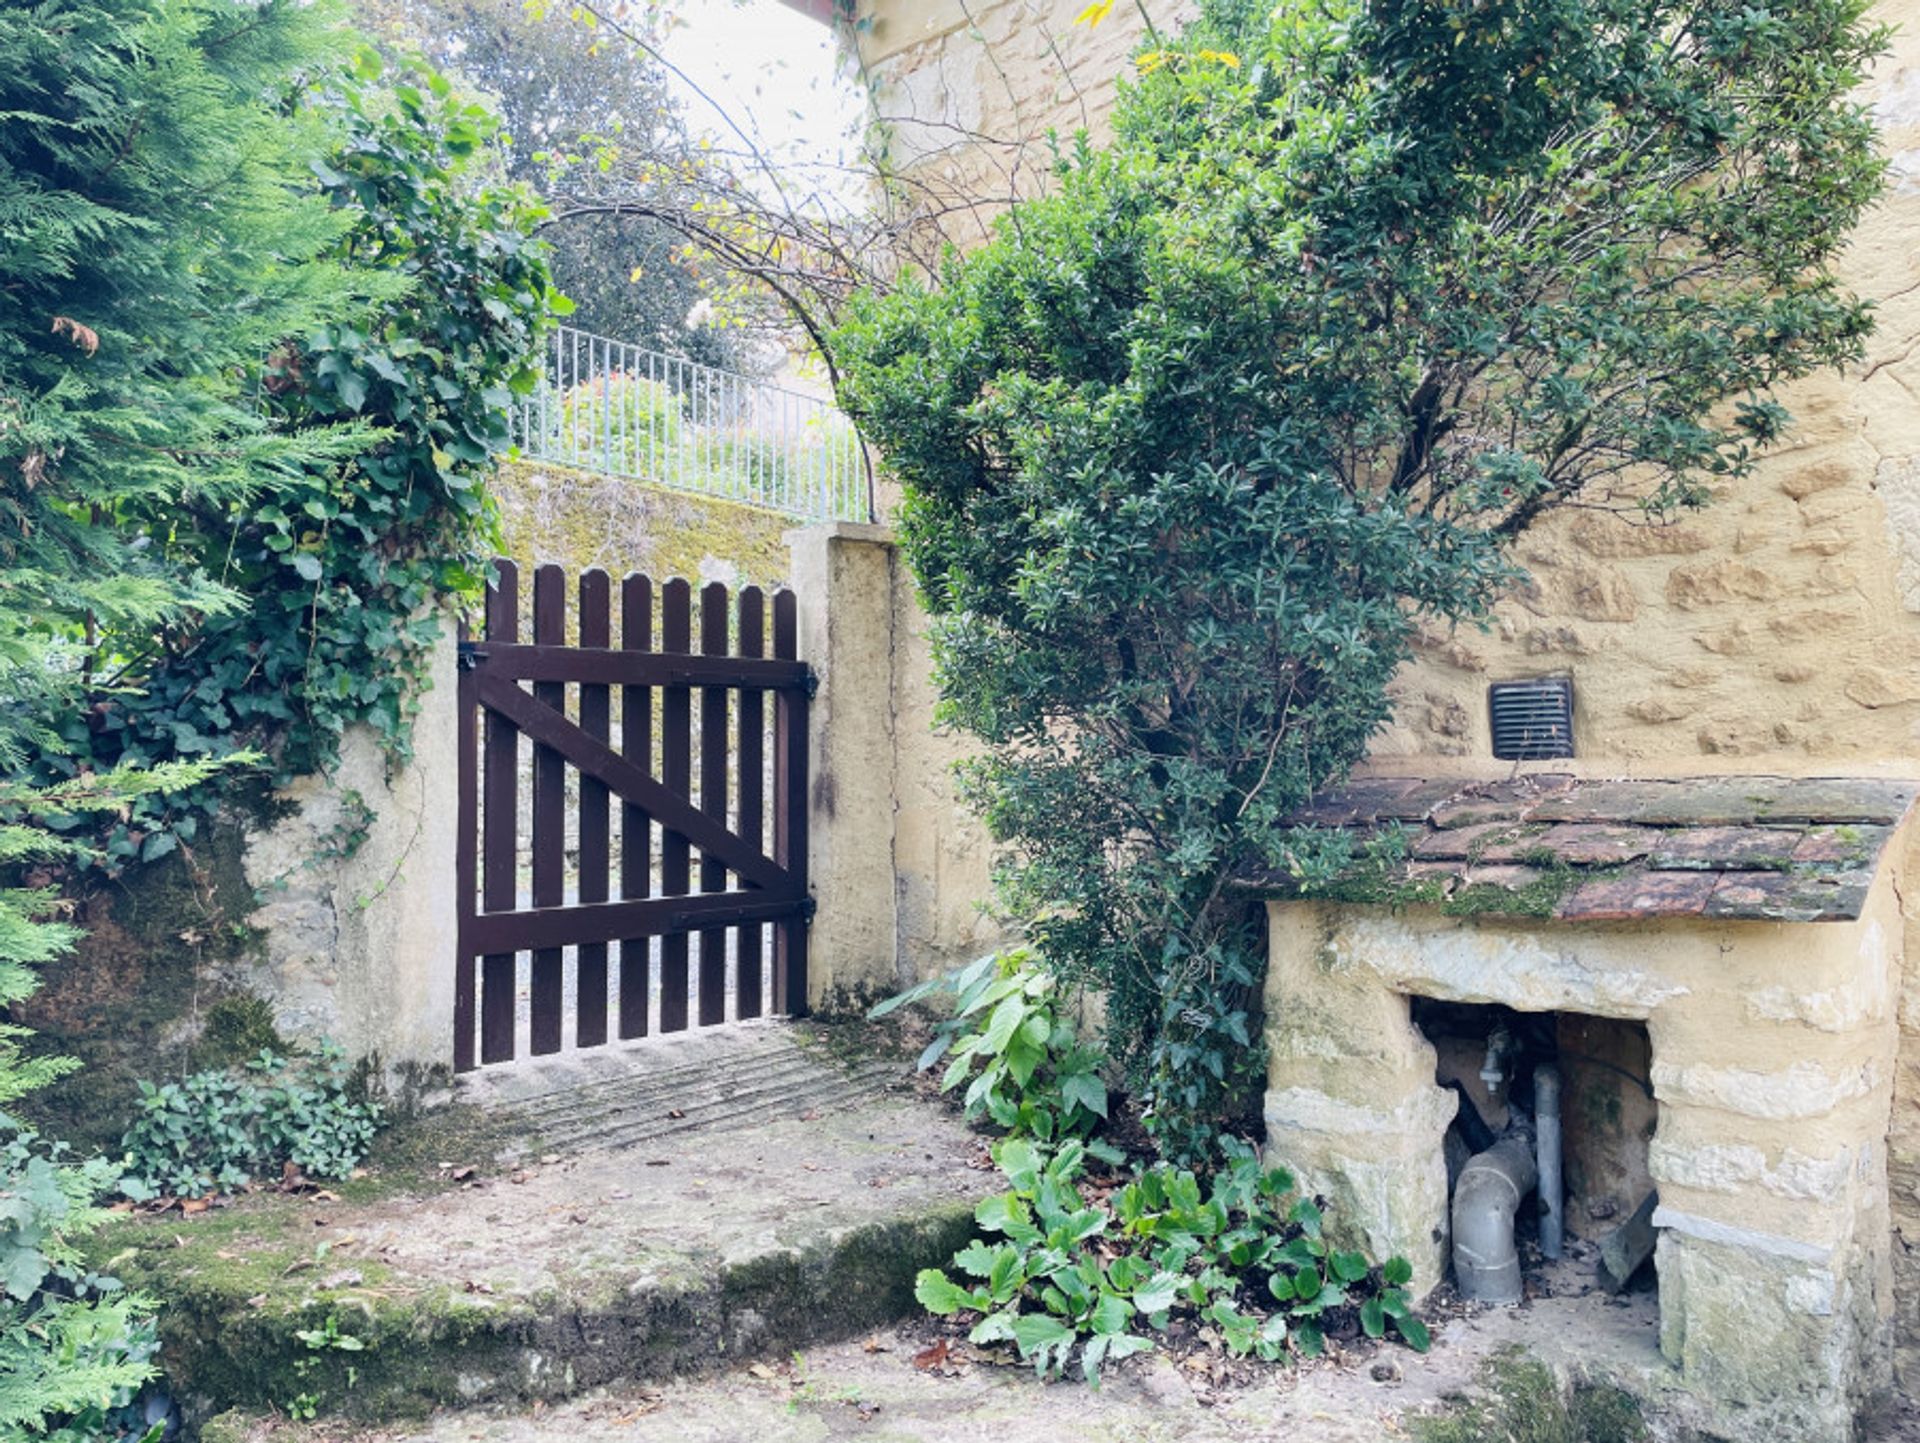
pixel 1357 293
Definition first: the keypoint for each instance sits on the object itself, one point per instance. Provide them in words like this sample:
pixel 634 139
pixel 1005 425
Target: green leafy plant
pixel 218 1130
pixel 75 1347
pixel 1009 1039
pixel 302 505
pixel 1244 1252
pixel 1358 293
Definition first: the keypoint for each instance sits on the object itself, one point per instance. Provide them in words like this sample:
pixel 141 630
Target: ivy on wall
pixel 345 568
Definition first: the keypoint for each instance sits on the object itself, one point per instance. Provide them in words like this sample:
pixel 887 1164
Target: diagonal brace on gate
pixel 596 759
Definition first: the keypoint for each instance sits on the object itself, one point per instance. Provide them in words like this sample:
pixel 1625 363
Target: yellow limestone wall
pixel 1776 631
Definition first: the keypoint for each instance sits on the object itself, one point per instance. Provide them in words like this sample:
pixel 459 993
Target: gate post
pixel 843 577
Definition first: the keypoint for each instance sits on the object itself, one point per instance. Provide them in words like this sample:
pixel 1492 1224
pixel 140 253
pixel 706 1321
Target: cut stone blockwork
pixel 1679 904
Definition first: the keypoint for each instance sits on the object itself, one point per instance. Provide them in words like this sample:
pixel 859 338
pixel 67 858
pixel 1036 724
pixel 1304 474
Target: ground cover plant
pixel 1243 1251
pixel 1010 1040
pixel 1360 290
pixel 222 1129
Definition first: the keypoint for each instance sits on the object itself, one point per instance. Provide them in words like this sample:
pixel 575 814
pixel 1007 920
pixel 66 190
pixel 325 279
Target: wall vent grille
pixel 1533 719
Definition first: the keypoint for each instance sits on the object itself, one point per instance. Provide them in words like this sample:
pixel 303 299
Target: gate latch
pixel 471 654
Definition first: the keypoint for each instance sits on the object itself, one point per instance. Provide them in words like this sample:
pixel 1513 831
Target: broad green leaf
pixel 937 1293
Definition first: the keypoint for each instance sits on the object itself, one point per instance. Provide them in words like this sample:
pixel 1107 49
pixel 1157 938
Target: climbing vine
pixel 345 569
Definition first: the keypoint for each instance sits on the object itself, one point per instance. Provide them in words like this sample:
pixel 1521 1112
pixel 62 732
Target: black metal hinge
pixel 471 655
pixel 812 684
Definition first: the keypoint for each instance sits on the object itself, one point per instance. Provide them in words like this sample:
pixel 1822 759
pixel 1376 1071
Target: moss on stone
pixel 234 1030
pixel 134 999
pixel 1538 898
pixel 260 1312
pixel 580 519
pixel 1519 1400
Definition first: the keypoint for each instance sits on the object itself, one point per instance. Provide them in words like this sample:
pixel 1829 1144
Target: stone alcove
pixel 1751 926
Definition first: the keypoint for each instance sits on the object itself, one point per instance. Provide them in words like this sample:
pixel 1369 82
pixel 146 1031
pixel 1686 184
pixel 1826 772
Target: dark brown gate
pixel 585 796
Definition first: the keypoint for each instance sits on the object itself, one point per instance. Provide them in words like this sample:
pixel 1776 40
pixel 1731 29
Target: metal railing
pixel 626 411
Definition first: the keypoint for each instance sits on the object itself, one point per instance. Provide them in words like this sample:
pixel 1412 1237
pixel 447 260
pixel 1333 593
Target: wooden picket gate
pixel 620 721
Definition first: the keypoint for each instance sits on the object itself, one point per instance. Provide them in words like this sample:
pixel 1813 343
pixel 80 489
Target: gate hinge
pixel 471 655
pixel 812 683
pixel 807 908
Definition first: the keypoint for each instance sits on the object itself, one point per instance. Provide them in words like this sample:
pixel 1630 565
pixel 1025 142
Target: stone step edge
pixel 610 1130
pixel 744 1082
pixel 443 1348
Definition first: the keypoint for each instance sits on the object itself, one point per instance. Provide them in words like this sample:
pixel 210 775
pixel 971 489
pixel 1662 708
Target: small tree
pixel 1358 293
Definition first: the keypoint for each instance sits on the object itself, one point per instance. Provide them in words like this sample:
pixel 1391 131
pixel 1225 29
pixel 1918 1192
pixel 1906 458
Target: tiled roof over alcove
pixel 1794 849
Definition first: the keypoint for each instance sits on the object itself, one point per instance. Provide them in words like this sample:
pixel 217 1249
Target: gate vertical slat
pixel 596 720
pixel 676 767
pixel 752 872
pixel 753 788
pixel 502 824
pixel 466 881
pixel 636 828
pixel 713 798
pixel 789 810
pixel 549 816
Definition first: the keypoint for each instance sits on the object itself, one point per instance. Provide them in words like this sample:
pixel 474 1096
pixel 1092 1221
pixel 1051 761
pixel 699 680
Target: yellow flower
pixel 1151 61
pixel 1221 57
pixel 1094 13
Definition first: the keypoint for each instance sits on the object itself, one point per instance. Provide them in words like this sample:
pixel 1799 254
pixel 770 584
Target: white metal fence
pixel 626 411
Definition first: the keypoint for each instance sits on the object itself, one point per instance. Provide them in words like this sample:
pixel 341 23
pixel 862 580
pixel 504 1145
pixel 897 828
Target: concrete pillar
pixel 843 576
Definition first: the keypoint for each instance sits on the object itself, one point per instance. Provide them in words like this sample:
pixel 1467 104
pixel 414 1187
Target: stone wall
pixel 1778 630
pixel 1773 1066
pixel 966 91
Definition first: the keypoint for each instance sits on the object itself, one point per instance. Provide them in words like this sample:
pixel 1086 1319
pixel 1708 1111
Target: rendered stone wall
pixel 1774 1059
pixel 355 900
pixel 898 867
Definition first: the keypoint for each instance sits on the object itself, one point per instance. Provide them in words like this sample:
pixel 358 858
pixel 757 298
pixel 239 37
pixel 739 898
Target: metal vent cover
pixel 1532 719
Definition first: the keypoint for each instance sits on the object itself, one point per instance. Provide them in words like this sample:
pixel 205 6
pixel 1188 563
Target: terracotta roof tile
pixel 1801 849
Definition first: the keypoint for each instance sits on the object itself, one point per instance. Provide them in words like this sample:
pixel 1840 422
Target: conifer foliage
pixel 259 330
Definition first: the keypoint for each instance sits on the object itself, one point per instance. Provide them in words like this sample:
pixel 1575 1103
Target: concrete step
pixel 729 1077
pixel 792 1203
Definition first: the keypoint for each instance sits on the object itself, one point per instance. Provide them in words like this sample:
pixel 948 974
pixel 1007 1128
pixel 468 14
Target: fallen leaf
pixel 675 1113
pixel 874 1345
pixel 519 1175
pixel 812 1114
pixel 195 1205
pixel 461 1174
pixel 298 1265
pixel 258 1300
pixel 761 1370
pixel 932 1356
